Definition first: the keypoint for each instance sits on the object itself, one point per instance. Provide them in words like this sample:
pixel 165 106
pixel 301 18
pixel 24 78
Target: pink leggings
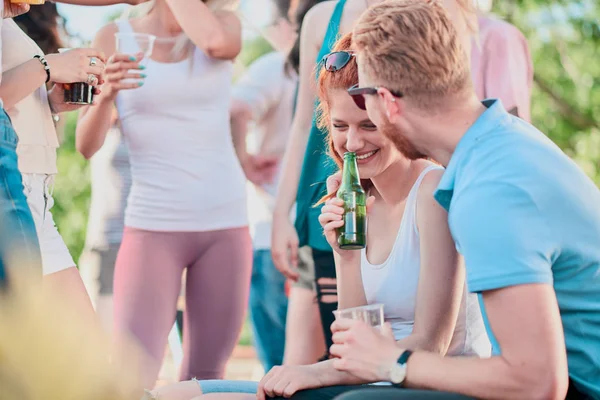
pixel 148 282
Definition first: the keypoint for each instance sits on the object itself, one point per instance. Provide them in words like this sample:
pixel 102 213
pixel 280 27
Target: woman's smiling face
pixel 352 130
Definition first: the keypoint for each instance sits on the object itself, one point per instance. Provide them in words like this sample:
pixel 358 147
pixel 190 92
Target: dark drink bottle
pixel 353 235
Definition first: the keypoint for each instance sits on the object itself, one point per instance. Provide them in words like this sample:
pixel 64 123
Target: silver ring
pixel 93 61
pixel 92 79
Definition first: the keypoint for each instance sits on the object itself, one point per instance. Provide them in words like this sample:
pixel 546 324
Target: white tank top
pixel 185 173
pixel 394 284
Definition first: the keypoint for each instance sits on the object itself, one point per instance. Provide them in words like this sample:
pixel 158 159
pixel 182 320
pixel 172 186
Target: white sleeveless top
pixel 394 284
pixel 185 172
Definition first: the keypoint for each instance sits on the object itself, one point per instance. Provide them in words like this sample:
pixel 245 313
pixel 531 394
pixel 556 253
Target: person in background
pixel 187 210
pixel 265 95
pixel 529 234
pixel 111 183
pixel 44 25
pixel 501 65
pixel 321 25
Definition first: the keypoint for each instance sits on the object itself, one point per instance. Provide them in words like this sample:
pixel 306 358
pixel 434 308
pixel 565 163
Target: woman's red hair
pixel 342 79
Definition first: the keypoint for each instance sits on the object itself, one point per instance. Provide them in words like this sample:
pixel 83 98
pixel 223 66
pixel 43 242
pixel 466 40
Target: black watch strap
pixel 403 359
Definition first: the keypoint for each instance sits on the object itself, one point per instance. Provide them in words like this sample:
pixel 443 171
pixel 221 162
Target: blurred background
pixel 564 38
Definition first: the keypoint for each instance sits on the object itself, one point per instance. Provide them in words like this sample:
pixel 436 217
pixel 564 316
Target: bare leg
pixel 68 281
pixel 304 342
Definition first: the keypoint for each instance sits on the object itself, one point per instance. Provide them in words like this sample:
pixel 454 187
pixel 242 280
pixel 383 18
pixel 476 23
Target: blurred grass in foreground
pixel 47 352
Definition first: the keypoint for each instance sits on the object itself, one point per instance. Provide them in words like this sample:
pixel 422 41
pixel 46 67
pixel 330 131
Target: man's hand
pixel 260 169
pixel 364 351
pixel 287 380
pixel 12 10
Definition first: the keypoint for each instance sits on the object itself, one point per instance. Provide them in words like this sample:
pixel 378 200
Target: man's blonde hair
pixel 413 47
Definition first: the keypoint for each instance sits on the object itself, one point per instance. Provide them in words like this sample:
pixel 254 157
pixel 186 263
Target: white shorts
pixel 55 254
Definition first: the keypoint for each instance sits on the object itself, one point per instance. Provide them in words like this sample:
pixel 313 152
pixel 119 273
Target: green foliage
pixel 564 37
pixel 71 191
pixel 253 49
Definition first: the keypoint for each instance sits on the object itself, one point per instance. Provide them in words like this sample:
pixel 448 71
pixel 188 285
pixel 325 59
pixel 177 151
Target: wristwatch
pixel 398 371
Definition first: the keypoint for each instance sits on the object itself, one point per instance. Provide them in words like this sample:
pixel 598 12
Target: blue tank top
pixel 317 166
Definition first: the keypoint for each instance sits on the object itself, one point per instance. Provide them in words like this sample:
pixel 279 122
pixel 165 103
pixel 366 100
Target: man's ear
pixel 391 104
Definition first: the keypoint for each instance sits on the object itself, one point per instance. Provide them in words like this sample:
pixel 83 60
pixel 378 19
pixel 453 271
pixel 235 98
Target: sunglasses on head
pixel 358 94
pixel 337 60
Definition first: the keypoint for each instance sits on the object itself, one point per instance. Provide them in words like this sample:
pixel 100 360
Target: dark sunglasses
pixel 358 94
pixel 337 60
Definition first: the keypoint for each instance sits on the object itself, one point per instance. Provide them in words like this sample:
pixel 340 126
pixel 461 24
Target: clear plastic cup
pixel 371 314
pixel 142 41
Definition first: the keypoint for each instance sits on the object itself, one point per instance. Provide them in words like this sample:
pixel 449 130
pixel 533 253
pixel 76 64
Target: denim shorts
pixel 224 386
pixel 18 238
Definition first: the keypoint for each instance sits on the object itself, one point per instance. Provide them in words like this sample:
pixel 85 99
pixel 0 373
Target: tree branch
pixel 580 120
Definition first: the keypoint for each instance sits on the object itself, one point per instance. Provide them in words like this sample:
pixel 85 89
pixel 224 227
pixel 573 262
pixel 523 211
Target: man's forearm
pixel 489 378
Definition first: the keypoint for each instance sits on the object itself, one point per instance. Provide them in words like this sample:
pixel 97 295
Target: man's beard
pixel 402 144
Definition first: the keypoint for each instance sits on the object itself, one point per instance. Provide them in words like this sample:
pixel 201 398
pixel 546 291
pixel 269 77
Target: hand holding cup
pixel 123 72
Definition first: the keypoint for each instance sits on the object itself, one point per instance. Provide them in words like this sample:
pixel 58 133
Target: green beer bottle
pixel 353 235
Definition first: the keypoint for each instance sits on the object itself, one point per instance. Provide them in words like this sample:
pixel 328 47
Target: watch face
pixel 397 374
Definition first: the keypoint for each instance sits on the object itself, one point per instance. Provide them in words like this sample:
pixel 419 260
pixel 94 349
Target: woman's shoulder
pixel 430 177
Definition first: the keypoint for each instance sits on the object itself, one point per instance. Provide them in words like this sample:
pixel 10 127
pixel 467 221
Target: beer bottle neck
pixel 350 176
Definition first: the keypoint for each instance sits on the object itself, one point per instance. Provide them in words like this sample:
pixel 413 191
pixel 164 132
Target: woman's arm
pixel 20 81
pixel 71 66
pixel 218 34
pixel 350 289
pixel 305 103
pixel 94 122
pixel 284 245
pixel 441 280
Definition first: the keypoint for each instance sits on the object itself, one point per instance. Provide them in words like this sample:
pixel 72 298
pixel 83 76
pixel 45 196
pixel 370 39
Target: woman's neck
pixel 394 184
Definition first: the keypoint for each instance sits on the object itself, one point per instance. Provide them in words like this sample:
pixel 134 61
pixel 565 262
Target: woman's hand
pixel 123 72
pixel 284 246
pixel 287 380
pixel 76 65
pixel 332 215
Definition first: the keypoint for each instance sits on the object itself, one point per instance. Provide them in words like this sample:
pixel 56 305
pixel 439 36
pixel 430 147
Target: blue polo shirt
pixel 521 212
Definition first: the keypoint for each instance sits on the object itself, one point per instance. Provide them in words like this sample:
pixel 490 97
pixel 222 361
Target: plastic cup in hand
pixel 136 42
pixel 371 314
pixel 81 93
pixel 131 42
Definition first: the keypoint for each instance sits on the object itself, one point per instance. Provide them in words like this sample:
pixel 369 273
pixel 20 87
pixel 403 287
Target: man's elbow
pixel 543 382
